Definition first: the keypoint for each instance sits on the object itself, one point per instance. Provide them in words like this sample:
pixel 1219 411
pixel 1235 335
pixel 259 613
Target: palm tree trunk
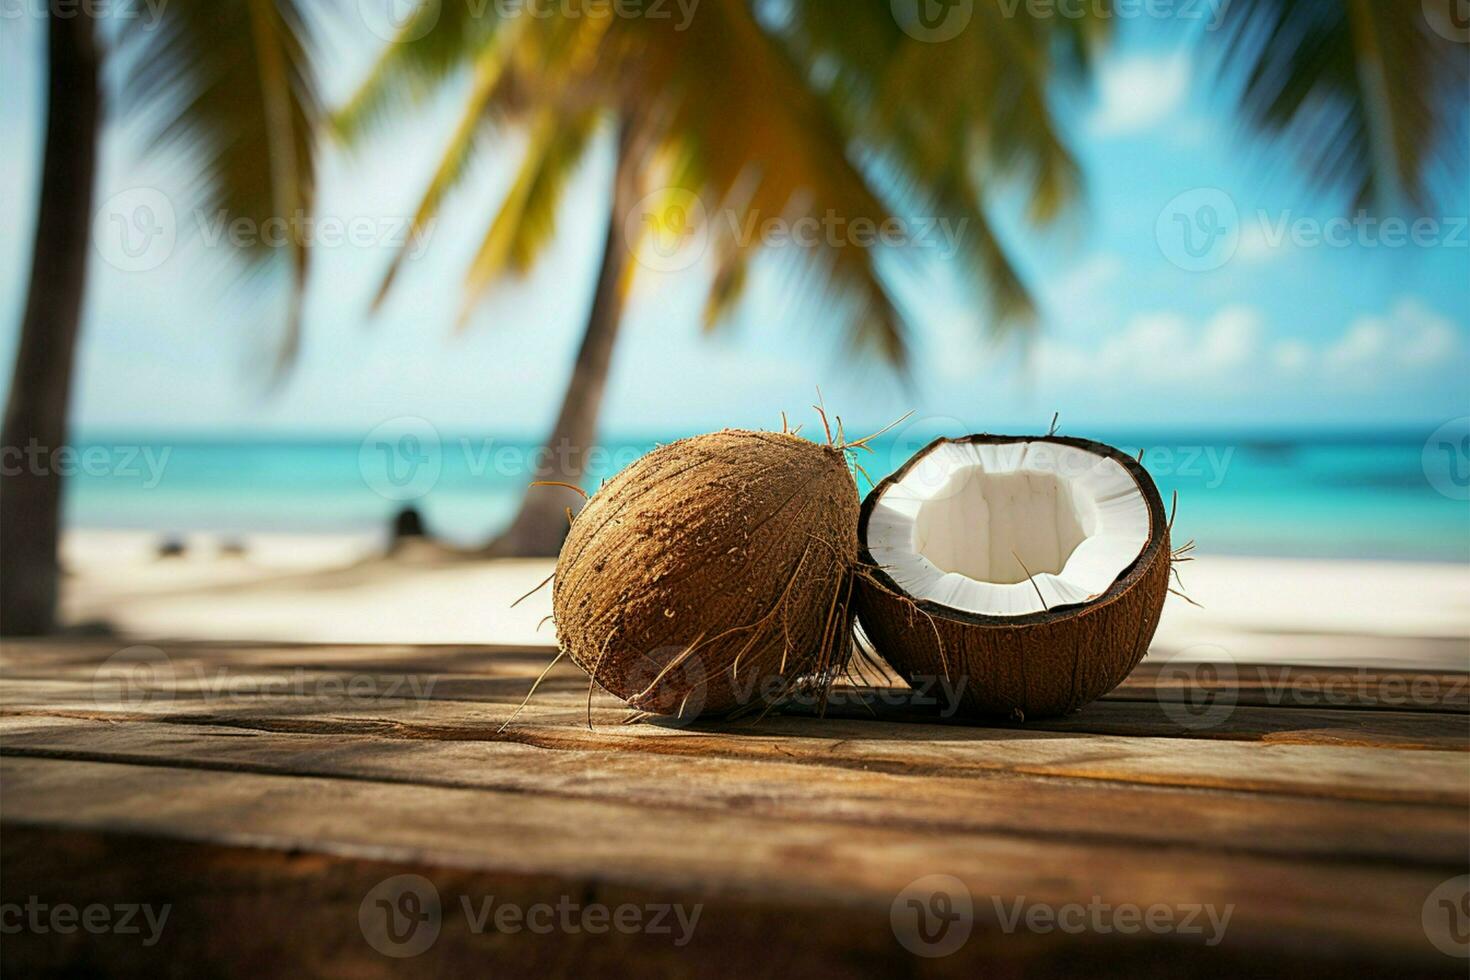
pixel 35 415
pixel 541 524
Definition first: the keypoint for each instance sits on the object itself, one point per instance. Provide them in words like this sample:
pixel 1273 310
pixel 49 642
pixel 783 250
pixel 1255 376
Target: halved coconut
pixel 1030 571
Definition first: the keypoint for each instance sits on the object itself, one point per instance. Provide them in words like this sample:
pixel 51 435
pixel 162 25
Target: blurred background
pixel 301 297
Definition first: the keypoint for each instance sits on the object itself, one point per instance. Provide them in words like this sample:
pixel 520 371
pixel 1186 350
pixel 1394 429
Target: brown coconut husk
pixel 1038 665
pixel 714 575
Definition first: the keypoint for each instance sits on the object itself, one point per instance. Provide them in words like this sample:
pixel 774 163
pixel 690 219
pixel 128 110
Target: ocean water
pixel 1340 496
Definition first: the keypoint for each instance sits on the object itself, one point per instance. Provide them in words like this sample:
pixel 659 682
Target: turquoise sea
pixel 1365 495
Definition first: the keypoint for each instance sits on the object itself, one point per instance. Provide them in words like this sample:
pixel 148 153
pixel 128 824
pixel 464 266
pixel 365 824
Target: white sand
pixel 305 588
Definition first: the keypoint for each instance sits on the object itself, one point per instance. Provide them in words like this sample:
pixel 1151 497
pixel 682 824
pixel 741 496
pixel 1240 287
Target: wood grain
pixel 1331 772
pixel 1373 909
pixel 1256 684
pixel 264 789
pixel 1212 713
pixel 987 802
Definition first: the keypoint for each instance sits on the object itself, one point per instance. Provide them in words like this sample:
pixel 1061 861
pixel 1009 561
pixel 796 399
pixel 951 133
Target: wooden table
pixel 272 796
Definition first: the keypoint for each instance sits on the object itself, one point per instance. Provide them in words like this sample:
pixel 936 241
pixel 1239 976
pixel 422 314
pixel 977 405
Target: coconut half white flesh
pixel 1009 529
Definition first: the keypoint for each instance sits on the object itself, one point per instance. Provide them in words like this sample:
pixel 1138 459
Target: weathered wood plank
pixel 1276 903
pixel 1077 811
pixel 1213 718
pixel 25 654
pixel 1297 803
pixel 1314 771
pixel 1289 685
pixel 1258 685
pixel 240 911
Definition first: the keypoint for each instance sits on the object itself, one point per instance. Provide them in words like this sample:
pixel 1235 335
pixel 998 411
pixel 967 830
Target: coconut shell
pixel 713 574
pixel 1037 665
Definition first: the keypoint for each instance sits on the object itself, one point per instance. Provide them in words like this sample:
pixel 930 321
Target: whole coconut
pixel 713 575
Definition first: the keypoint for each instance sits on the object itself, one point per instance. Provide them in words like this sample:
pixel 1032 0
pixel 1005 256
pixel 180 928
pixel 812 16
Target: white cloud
pixel 1231 348
pixel 1162 347
pixel 1138 92
pixel 1410 336
pixel 1259 242
pixel 1364 345
pixel 1080 293
pixel 1230 340
pixel 1291 356
pixel 1088 276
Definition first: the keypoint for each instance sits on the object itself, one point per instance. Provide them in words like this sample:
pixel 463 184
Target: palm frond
pixel 755 142
pixel 229 86
pixel 983 122
pixel 732 271
pixel 797 111
pixel 475 120
pixel 1366 94
pixel 526 220
pixel 437 40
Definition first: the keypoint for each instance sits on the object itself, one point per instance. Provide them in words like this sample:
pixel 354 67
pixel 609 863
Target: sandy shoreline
pixel 330 589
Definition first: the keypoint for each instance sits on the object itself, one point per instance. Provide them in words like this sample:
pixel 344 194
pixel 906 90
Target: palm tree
pixel 759 109
pixel 739 116
pixel 227 87
pixel 41 386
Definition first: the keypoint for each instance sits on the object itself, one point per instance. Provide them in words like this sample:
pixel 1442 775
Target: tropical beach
pixel 1307 548
pixel 340 589
pixel 939 488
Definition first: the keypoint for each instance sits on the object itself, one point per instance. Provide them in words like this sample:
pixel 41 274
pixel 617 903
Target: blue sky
pixel 1287 333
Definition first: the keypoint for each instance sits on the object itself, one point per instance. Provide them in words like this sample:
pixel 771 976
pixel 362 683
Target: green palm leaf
pixel 230 88
pixel 439 39
pixel 475 122
pixel 798 119
pixel 526 221
pixel 1365 92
